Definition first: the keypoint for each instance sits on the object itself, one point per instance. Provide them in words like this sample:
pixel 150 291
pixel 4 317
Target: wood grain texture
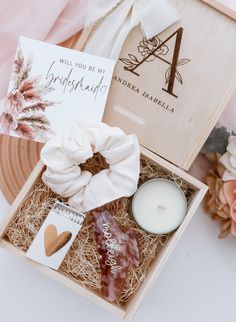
pixel 175 122
pixel 219 5
pixel 18 157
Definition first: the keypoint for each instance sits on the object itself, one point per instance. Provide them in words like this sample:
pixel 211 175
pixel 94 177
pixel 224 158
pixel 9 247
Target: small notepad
pixel 56 235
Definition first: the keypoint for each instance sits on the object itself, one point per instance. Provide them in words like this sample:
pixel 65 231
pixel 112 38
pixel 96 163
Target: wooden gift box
pixel 127 311
pixel 164 135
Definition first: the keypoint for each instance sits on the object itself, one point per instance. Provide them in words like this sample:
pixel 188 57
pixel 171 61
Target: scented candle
pixel 159 206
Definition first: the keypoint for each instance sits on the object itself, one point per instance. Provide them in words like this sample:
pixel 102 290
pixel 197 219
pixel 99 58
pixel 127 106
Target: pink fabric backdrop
pixel 53 21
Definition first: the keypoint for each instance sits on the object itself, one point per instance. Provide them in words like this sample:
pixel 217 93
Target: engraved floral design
pixel 146 46
pixel 24 110
pixel 151 49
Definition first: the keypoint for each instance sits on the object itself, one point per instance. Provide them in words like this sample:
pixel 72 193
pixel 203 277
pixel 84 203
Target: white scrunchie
pixel 64 153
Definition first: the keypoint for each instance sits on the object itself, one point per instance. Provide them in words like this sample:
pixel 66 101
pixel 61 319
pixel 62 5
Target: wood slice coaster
pixel 18 157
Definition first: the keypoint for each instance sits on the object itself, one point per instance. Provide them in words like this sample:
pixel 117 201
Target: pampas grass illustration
pixel 24 111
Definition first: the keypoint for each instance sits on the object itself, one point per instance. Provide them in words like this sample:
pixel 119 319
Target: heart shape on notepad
pixel 54 242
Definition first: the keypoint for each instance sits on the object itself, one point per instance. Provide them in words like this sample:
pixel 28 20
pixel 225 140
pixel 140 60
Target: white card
pixel 51 87
pixel 56 235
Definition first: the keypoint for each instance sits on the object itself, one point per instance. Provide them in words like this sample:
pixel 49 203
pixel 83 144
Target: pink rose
pixel 227 197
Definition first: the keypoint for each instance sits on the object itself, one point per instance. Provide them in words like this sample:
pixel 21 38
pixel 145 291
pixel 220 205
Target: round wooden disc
pixel 18 159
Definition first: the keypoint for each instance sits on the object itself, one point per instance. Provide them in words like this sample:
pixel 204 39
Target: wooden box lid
pixel 228 7
pixel 171 90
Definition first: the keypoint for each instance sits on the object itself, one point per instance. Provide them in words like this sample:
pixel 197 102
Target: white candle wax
pixel 159 206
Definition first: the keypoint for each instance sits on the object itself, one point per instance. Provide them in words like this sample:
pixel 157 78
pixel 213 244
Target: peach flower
pixel 227 196
pixel 216 201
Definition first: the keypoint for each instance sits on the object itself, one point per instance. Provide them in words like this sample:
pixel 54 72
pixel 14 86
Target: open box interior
pixel 25 219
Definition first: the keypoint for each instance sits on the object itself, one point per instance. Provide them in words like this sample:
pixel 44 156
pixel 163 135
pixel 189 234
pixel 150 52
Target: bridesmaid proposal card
pixel 51 87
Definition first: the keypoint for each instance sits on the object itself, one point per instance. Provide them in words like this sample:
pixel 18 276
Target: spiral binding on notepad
pixel 68 213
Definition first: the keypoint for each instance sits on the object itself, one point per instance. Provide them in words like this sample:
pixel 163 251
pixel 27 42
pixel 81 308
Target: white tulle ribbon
pixel 114 20
pixel 63 154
